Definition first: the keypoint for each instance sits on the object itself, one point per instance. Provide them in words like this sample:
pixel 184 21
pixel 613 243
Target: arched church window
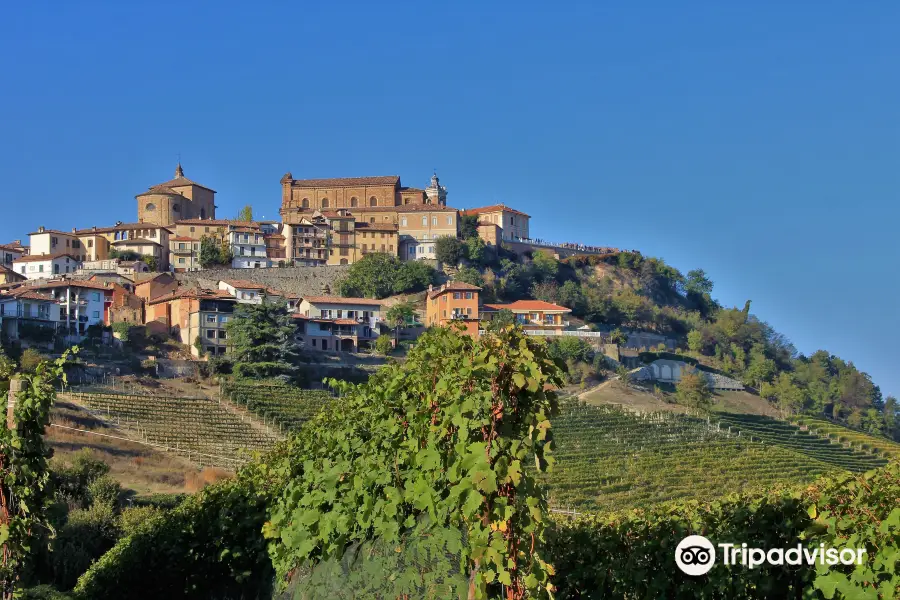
pixel 371 219
pixel 175 208
pixel 305 203
pixel 150 206
pixel 373 201
pixel 324 202
pixel 354 202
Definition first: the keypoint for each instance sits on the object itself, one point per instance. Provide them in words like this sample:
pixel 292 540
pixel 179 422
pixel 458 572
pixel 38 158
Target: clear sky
pixel 760 142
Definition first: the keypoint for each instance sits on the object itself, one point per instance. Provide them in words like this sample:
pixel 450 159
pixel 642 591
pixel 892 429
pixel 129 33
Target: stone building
pixel 355 192
pixel 175 200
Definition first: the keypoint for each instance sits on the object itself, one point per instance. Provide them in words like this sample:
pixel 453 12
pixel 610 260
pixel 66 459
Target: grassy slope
pixel 136 466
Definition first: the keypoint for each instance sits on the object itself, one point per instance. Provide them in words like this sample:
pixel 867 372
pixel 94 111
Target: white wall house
pixel 45 266
pixel 24 307
pixel 335 324
pixel 81 304
pixel 52 241
pixel 245 292
pixel 8 254
pixel 248 248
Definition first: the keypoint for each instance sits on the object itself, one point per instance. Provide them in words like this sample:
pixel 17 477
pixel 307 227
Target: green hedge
pixel 631 555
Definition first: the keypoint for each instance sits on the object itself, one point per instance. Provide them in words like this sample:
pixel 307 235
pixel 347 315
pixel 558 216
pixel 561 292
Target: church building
pixel 176 200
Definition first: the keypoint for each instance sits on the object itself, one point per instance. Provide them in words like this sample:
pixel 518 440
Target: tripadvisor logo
pixel 695 555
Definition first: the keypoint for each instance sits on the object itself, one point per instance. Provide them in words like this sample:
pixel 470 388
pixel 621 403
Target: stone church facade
pixel 176 200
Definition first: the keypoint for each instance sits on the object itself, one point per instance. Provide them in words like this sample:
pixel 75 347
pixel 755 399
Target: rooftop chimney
pixel 41 229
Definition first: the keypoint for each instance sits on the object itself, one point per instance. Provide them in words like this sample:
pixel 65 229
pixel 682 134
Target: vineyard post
pixel 15 386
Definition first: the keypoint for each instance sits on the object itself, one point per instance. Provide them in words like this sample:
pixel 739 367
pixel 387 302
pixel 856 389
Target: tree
pixel 25 474
pixel 544 265
pixel 624 375
pixel 400 314
pixel 430 454
pixel 262 340
pixel 695 340
pixel 693 390
pixel 150 261
pixel 503 318
pixel 245 214
pixel 698 283
pixel 617 337
pixel 570 296
pixel 213 252
pixel 379 275
pixel 448 250
pixel 891 413
pixel 476 250
pixel 383 345
pixel 469 275
pixel 760 369
pixel 566 348
pixel 789 398
pixel 468 226
pixel 547 291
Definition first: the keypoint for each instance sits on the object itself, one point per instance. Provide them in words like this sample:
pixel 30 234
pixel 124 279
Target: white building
pixel 45 266
pixel 81 304
pixel 248 247
pixel 331 323
pixel 23 310
pixel 8 254
pixel 245 292
pixel 53 241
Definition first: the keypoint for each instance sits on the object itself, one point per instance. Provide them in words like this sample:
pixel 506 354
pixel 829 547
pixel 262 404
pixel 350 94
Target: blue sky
pixel 760 142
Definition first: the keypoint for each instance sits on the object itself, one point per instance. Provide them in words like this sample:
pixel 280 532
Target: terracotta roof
pixel 182 238
pixel 274 236
pixel 120 227
pixel 142 278
pixel 41 257
pixel 28 294
pixel 340 300
pixel 135 242
pixel 244 284
pixel 202 222
pixel 87 284
pixel 376 226
pixel 529 305
pixel 179 181
pixel 346 181
pixel 274 292
pixel 345 322
pixel 453 286
pixel 411 189
pixel 9 247
pixel 56 231
pixel 493 208
pixel 7 270
pixel 192 293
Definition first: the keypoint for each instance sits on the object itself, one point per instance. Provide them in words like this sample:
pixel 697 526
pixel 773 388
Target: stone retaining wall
pixel 308 281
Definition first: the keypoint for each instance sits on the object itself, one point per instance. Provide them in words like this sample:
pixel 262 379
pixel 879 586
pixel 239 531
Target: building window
pixel 450 220
pixel 210 318
pixel 211 334
pixel 223 334
pixel 314 342
pixel 434 221
pixel 96 296
pixel 150 207
pixel 175 208
pixel 457 296
pixel 90 244
pixel 373 201
pixel 192 230
pixel 324 202
pixel 305 203
pixel 96 314
pixel 180 261
pixel 354 202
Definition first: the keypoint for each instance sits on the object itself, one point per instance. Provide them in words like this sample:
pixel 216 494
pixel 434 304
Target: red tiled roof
pixel 182 238
pixel 376 226
pixel 87 284
pixel 120 227
pixel 345 322
pixel 525 305
pixel 9 247
pixel 453 286
pixel 202 222
pixel 179 181
pixel 244 284
pixel 56 231
pixel 340 300
pixel 192 293
pixel 493 208
pixel 7 270
pixel 346 181
pixel 28 294
pixel 40 257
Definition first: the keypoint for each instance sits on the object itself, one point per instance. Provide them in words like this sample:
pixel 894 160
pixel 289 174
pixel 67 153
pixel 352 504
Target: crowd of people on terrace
pixel 567 245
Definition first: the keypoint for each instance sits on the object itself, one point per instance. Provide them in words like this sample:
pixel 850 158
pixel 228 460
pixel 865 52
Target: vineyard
pixel 609 458
pixel 851 437
pixel 287 406
pixel 200 429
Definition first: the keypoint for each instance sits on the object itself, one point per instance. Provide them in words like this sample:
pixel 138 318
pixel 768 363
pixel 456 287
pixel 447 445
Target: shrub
pixel 87 535
pixel 30 359
pixel 73 479
pixel 448 250
pixel 122 330
pixel 105 490
pixel 134 517
pixel 383 345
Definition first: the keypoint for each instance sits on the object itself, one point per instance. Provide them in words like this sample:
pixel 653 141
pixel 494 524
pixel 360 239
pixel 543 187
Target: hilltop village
pixel 173 268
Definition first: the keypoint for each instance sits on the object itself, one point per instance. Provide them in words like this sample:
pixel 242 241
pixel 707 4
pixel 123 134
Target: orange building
pixel 531 314
pixel 454 302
